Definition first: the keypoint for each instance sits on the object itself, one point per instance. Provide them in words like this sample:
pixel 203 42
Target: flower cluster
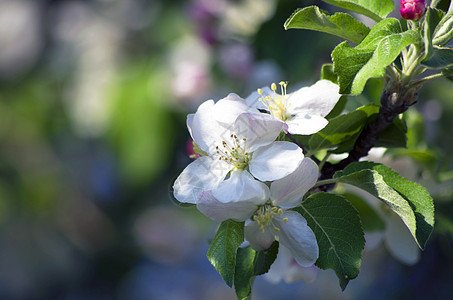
pixel 244 169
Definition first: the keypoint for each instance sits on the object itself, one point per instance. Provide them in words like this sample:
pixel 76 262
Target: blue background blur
pixel 93 99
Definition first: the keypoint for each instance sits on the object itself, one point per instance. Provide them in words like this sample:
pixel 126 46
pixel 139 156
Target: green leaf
pixel 249 264
pixel 432 19
pixel 342 128
pixel 371 221
pixel 444 30
pixel 394 136
pixel 223 248
pixel 244 276
pixel 379 49
pixel 442 58
pixel 328 73
pixel 407 199
pixel 339 233
pixel 339 24
pixel 448 73
pixel 376 10
pixel 264 259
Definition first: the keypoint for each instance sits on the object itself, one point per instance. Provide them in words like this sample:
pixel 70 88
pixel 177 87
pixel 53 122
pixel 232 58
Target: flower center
pixel 234 152
pixel 276 104
pixel 264 215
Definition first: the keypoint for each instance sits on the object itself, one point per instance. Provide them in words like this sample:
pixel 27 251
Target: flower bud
pixel 412 9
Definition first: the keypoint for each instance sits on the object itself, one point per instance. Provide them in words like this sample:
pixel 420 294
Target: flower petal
pixel 229 108
pixel 219 211
pixel 206 131
pixel 241 186
pixel 305 124
pixel 288 191
pixel 318 99
pixel 298 237
pixel 189 122
pixel 259 129
pixel 275 161
pixel 400 242
pixel 258 239
pixel 200 175
pixel 253 99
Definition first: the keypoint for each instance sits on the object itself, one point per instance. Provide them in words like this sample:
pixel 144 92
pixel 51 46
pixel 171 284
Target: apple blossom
pixel 267 215
pixel 231 144
pixel 412 9
pixel 303 111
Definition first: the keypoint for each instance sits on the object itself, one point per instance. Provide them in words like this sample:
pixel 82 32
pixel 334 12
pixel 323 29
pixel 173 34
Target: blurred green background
pixel 93 100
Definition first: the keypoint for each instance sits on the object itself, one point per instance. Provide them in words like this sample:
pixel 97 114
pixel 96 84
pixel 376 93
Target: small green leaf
pixel 371 221
pixel 376 10
pixel 432 18
pixel 369 59
pixel 342 128
pixel 249 264
pixel 339 24
pixel 328 73
pixel 444 30
pixel 223 248
pixel 244 276
pixel 339 233
pixel 264 259
pixel 448 73
pixel 442 58
pixel 407 199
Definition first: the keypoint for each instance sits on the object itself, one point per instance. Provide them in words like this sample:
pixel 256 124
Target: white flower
pixel 303 111
pixel 266 213
pixel 286 268
pixel 234 143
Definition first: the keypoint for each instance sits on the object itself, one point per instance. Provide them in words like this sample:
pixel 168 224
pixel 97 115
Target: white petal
pixel 206 131
pixel 241 186
pixel 306 124
pixel 228 109
pixel 259 129
pixel 202 174
pixel 189 122
pixel 400 242
pixel 318 99
pixel 258 239
pixel 298 237
pixel 253 99
pixel 373 240
pixel 280 266
pixel 275 161
pixel 288 191
pixel 219 211
pixel 296 272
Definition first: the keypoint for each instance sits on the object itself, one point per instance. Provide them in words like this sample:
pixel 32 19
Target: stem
pixel 424 79
pixel 295 141
pixel 325 182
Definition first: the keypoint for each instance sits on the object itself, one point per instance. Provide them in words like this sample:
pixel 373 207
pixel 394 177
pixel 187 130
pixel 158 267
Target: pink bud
pixel 412 9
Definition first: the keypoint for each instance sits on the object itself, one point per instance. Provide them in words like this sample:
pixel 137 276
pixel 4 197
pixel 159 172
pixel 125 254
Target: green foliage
pixel 343 130
pixel 249 264
pixel 407 199
pixel 376 10
pixel 441 58
pixel 443 32
pixel 327 73
pixel 379 49
pixel 339 24
pixel 338 231
pixel 432 19
pixel 371 221
pixel 448 73
pixel 223 248
pixel 140 123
